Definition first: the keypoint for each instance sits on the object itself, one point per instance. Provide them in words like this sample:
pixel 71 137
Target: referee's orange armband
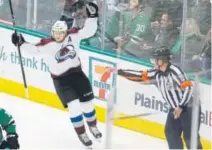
pixel 186 83
pixel 144 76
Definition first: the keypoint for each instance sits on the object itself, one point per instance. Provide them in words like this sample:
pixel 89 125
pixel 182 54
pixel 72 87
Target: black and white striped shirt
pixel 175 88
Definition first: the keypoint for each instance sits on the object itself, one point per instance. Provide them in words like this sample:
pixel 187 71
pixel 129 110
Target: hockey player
pixel 176 90
pixel 71 84
pixel 7 125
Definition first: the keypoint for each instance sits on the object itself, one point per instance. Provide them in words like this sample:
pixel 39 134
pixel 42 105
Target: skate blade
pixel 98 140
pixel 89 147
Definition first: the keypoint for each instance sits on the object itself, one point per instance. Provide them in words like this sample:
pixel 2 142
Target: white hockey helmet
pixel 59 26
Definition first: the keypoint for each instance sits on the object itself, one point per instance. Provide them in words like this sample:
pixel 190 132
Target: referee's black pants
pixel 175 128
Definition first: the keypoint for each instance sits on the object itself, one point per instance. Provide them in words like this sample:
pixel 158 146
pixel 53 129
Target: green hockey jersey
pixel 138 29
pixel 6 123
pixel 111 31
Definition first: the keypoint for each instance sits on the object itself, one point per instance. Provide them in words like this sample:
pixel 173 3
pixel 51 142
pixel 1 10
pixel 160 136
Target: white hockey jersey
pixel 61 57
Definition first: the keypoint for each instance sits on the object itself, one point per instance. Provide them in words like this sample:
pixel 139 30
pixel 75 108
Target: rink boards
pixel 130 98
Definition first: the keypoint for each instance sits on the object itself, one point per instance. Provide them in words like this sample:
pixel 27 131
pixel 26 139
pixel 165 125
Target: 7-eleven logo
pixel 101 77
pixel 102 84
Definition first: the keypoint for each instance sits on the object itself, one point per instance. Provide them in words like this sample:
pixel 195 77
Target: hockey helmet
pixel 161 53
pixel 59 31
pixel 59 26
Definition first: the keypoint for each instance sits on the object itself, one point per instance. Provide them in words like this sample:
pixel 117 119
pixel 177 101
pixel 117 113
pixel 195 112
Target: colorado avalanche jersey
pixel 64 56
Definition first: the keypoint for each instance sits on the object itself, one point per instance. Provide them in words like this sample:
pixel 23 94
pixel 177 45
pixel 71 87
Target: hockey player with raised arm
pixel 72 85
pixel 7 125
pixel 175 89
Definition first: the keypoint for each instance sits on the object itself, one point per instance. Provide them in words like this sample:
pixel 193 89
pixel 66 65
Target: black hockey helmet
pixel 161 53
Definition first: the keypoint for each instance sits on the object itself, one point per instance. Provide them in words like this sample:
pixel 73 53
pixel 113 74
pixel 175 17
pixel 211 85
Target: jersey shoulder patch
pixel 44 41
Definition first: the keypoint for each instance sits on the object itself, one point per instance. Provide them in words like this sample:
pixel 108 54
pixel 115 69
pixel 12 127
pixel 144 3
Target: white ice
pixel 43 127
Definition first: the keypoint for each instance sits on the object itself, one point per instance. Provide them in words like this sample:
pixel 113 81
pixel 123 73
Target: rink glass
pixel 127 37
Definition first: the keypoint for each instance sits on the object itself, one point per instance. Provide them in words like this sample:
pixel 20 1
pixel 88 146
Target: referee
pixel 176 90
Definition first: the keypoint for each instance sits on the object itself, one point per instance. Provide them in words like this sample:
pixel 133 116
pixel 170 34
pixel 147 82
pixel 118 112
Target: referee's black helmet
pixel 161 53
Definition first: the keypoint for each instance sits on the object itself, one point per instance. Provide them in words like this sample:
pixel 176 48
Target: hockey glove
pixel 92 10
pixel 4 145
pixel 17 39
pixel 12 141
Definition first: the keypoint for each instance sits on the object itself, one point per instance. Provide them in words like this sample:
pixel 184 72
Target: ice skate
pixel 96 133
pixel 85 140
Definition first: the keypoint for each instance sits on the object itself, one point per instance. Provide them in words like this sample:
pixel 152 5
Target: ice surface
pixel 43 127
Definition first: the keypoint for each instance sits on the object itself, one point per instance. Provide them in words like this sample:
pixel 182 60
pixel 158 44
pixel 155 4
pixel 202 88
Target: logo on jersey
pixel 67 52
pixel 102 79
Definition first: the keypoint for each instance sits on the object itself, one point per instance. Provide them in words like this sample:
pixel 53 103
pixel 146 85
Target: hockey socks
pixel 90 115
pixel 76 118
pixel 78 124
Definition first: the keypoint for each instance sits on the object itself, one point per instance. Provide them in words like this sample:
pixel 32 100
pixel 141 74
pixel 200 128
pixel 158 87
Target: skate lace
pixel 85 137
pixel 95 130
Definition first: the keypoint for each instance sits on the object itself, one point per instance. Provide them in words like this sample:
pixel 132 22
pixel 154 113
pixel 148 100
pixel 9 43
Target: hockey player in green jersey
pixel 7 125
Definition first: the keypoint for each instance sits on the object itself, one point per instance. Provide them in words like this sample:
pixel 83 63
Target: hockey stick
pixel 133 116
pixel 19 53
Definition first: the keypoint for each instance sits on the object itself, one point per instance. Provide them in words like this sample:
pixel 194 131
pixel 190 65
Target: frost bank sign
pixel 28 62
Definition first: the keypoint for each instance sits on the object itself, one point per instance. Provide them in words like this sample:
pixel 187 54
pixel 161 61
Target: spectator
pixel 46 16
pixel 148 7
pixel 113 19
pixel 202 13
pixel 205 56
pixel 136 30
pixel 203 59
pixel 79 16
pixel 69 14
pixel 173 7
pixel 194 40
pixel 69 11
pixel 191 4
pixel 115 6
pixel 165 32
